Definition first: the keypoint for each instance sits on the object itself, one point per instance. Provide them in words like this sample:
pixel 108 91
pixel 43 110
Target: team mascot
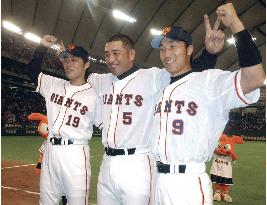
pixel 221 169
pixel 42 130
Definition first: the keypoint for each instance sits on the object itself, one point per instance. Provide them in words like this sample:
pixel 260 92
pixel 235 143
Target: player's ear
pixel 132 54
pixel 189 50
pixel 86 65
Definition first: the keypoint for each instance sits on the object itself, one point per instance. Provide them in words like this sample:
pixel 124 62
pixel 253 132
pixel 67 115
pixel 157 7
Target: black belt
pixel 60 141
pixel 165 168
pixel 113 152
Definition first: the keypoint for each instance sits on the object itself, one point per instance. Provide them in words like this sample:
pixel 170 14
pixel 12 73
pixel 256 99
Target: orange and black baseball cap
pixel 75 50
pixel 174 33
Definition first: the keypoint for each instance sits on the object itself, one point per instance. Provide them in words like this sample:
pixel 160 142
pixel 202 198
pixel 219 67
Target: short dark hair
pixel 126 40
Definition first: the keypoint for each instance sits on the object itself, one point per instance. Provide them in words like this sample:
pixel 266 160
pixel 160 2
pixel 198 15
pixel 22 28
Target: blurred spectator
pixel 18 103
pixel 20 49
pixel 250 121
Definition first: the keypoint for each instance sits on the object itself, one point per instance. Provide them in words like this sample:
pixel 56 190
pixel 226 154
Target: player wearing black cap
pixel 192 111
pixel 71 111
pixel 174 33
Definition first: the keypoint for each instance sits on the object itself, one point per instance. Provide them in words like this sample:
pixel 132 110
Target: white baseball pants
pixel 65 171
pixel 183 189
pixel 125 180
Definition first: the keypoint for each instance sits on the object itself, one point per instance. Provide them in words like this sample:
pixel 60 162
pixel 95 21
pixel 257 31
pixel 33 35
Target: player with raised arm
pixel 129 94
pixel 71 110
pixel 192 111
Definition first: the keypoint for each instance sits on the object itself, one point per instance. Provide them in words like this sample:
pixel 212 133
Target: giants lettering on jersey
pixel 177 106
pixel 126 99
pixel 70 103
pixel 221 161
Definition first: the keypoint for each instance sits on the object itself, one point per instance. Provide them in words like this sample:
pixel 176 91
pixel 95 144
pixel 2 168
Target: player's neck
pixel 78 82
pixel 131 70
pixel 181 71
pixel 178 77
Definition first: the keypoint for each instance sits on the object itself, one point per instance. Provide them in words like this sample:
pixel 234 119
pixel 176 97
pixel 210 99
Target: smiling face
pixel 119 59
pixel 175 56
pixel 75 68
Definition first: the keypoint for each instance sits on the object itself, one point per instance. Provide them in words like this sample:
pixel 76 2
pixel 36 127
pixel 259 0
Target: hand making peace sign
pixel 214 39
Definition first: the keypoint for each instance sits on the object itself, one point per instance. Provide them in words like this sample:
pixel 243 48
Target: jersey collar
pixel 178 77
pixel 84 86
pixel 129 72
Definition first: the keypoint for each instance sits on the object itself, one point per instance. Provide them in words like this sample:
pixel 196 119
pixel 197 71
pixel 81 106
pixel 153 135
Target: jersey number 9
pixel 177 127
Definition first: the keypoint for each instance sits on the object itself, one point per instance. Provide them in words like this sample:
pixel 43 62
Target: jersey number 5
pixel 127 118
pixel 177 127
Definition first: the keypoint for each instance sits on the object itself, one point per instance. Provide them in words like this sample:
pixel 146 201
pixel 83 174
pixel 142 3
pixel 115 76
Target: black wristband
pixel 248 53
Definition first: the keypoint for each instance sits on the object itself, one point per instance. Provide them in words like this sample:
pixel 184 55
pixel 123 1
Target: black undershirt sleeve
pixel 204 62
pixel 34 67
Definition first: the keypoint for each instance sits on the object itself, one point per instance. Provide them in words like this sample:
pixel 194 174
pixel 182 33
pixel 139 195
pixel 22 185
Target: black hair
pixel 126 40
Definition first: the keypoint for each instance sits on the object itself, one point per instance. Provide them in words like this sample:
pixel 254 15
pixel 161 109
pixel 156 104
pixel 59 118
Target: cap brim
pixel 156 40
pixel 63 54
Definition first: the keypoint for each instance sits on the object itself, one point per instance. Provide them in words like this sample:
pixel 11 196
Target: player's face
pixel 118 58
pixel 175 56
pixel 74 67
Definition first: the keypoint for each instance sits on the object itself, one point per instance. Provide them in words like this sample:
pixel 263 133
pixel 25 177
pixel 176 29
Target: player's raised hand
pixel 229 17
pixel 214 38
pixel 61 47
pixel 48 41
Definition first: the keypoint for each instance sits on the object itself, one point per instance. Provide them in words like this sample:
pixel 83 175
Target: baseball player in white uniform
pixel 128 95
pixel 72 111
pixel 192 111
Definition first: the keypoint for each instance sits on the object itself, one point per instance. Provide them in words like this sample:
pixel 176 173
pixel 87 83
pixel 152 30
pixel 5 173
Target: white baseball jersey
pixel 127 121
pixel 190 116
pixel 128 106
pixel 71 112
pixel 222 167
pixel 192 112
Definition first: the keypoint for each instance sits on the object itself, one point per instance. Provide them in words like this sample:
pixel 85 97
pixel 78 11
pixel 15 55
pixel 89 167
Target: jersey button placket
pixel 164 127
pixel 114 114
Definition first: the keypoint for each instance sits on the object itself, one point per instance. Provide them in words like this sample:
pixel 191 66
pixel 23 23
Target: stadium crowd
pixel 17 103
pixel 248 121
pixel 21 50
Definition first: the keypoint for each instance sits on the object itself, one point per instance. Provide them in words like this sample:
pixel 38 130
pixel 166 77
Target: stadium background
pixel 88 23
